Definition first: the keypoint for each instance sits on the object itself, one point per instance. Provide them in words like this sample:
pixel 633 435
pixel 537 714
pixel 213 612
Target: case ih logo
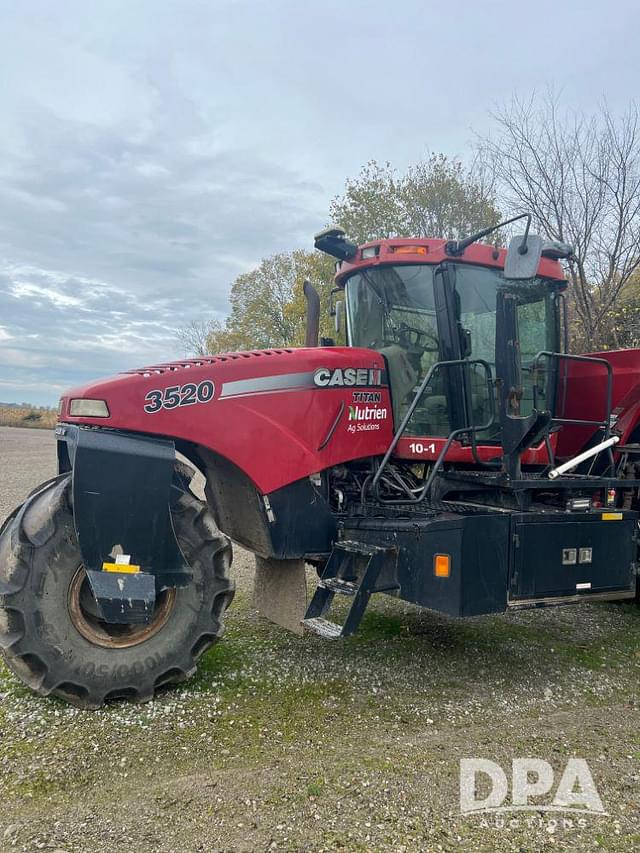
pixel 347 377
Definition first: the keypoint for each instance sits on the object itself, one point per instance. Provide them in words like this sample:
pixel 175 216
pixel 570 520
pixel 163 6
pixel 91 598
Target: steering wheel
pixel 419 341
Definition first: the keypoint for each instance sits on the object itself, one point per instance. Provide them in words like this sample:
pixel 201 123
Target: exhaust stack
pixel 313 314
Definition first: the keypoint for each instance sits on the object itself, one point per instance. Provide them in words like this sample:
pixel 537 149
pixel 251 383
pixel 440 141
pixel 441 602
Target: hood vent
pixel 202 361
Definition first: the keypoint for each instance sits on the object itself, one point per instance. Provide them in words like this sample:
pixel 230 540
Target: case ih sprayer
pixel 453 455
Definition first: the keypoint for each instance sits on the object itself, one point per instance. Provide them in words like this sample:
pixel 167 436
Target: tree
pixel 193 339
pixel 580 178
pixel 433 198
pixel 623 322
pixel 268 306
pixel 438 197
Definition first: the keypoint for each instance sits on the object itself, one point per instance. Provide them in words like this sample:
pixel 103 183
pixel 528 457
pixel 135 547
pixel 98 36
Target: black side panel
pixel 416 576
pixel 485 561
pixel 562 557
pixel 302 524
pixel 478 547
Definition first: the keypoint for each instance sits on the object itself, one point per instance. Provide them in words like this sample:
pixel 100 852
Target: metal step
pixel 338 585
pixel 341 577
pixel 323 627
pixel 353 547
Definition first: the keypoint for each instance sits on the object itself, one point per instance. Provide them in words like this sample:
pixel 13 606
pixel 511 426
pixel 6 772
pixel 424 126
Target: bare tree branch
pixel 580 178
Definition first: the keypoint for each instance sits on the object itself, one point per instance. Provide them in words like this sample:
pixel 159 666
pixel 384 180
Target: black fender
pixel 121 493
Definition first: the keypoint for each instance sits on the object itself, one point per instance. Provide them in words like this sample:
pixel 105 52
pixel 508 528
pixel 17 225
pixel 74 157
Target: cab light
pixel 89 409
pixel 369 252
pixel 408 250
pixel 442 565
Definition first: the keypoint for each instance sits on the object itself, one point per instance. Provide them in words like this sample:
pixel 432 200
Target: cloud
pixel 151 152
pixel 124 214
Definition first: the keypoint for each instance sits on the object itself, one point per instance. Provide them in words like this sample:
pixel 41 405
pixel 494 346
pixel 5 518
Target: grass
pixel 29 417
pixel 319 745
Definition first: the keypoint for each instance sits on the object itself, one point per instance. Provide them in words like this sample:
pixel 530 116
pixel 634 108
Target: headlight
pixel 89 409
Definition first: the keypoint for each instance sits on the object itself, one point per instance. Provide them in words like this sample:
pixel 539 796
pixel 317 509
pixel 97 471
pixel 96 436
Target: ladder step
pixel 338 585
pixel 357 547
pixel 323 627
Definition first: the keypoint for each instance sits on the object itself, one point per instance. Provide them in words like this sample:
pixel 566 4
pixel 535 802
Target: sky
pixel 151 151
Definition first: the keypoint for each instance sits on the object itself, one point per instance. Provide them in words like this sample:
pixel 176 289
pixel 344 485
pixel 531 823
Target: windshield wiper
pixel 374 286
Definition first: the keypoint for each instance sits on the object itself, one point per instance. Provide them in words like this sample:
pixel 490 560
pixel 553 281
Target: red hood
pixel 277 414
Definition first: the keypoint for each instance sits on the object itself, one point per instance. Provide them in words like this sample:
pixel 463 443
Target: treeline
pixel 579 176
pixel 24 415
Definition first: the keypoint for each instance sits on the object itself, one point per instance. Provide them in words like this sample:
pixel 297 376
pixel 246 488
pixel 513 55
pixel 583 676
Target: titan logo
pixel 347 377
pixel 367 397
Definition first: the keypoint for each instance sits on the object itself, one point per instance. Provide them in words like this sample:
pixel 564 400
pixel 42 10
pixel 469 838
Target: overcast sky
pixel 150 151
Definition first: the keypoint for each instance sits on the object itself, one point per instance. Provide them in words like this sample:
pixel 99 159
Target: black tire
pixel 45 642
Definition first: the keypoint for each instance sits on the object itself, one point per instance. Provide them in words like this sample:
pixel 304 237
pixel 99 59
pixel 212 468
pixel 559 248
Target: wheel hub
pixel 85 617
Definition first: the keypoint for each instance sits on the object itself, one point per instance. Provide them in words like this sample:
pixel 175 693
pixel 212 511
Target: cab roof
pixel 415 250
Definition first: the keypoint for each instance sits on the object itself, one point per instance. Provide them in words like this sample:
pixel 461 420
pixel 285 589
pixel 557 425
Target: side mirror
pixel 339 311
pixel 523 257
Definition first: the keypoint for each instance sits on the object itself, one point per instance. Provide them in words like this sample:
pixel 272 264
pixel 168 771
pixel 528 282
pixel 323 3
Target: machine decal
pixel 324 377
pixel 367 396
pixel 179 395
pixel 368 415
pixel 419 447
pixel 266 385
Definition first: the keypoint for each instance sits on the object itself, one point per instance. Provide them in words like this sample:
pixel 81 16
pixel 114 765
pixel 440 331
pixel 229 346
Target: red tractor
pixel 453 455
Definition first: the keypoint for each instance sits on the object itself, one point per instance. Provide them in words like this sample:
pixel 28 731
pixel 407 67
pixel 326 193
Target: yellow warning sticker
pixel 612 516
pixel 125 568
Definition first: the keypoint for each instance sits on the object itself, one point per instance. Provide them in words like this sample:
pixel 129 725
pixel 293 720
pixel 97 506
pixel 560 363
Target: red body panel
pixel 586 394
pixel 275 435
pixel 428 449
pixel 432 252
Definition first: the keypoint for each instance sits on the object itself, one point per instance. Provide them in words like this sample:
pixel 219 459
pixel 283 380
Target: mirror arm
pixel 523 249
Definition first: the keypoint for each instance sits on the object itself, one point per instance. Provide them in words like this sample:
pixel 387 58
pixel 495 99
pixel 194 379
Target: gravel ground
pixel 282 743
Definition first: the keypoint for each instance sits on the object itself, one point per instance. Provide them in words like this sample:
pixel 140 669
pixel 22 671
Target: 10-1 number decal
pixel 179 395
pixel 419 447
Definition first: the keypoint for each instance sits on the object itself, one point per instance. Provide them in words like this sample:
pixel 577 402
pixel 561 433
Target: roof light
pixel 408 250
pixel 89 409
pixel 370 252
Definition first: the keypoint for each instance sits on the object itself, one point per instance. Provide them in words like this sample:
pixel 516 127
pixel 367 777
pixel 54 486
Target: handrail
pixel 589 359
pixel 606 423
pixel 471 429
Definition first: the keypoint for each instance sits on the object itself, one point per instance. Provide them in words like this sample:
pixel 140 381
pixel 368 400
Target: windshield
pixel 393 309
